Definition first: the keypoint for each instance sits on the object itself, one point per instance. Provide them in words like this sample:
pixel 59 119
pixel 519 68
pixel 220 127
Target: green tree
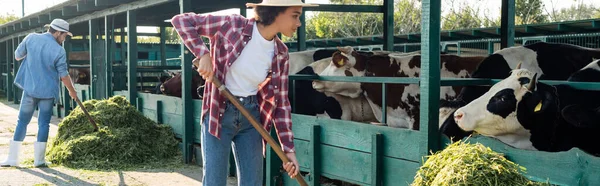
pixel 407 19
pixel 577 11
pixel 465 15
pixel 529 12
pixel 7 18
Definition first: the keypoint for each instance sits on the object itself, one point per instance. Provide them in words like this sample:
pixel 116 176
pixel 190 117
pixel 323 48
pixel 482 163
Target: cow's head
pixel 172 86
pixel 503 108
pixel 344 62
pixel 589 73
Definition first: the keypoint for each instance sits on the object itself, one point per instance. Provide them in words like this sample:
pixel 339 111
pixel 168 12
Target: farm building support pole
pixel 93 33
pixel 8 72
pixel 388 25
pixel 132 57
pixel 301 32
pixel 16 65
pixel 507 24
pixel 430 75
pixel 66 98
pixel 2 61
pixel 163 46
pixel 186 95
pixel 108 54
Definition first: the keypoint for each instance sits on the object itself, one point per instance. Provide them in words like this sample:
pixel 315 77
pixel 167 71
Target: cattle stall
pixel 349 151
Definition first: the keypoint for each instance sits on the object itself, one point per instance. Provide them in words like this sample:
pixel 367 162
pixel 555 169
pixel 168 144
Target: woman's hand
pixel 291 167
pixel 205 67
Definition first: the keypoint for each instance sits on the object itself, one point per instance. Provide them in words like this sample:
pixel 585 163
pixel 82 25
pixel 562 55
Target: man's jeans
pixel 28 106
pixel 239 134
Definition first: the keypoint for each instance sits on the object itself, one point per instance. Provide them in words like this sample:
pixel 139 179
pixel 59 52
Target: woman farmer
pixel 252 62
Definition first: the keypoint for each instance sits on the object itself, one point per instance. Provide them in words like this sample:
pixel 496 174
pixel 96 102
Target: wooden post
pixel 377 160
pixel 388 25
pixel 159 111
pixel 186 95
pixel 9 79
pixel 315 154
pixel 430 75
pixel 301 33
pixel 16 65
pixel 273 163
pixel 507 24
pixel 93 33
pixel 3 55
pixel 66 97
pixel 163 46
pixel 108 54
pixel 132 56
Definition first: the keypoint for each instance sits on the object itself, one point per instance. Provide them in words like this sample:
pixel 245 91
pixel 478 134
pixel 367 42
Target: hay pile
pixel 470 164
pixel 125 138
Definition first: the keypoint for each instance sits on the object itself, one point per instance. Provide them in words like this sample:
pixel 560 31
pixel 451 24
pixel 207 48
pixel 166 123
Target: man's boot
pixel 13 154
pixel 39 152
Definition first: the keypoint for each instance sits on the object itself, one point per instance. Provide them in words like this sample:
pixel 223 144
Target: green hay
pixel 470 164
pixel 125 138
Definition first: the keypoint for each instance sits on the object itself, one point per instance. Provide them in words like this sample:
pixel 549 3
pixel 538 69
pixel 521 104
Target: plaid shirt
pixel 228 35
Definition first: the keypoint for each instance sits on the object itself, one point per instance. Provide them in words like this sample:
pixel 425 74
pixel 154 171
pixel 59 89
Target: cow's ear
pixel 346 49
pixel 541 102
pixel 338 59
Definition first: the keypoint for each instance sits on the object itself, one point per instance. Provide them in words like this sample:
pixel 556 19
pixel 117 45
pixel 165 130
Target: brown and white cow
pixel 403 100
pixel 335 106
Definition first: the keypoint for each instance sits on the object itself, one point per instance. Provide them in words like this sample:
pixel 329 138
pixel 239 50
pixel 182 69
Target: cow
pixel 310 102
pixel 172 87
pixel 580 115
pixel 161 80
pixel 589 73
pixel 526 114
pixel 551 61
pixel 80 75
pixel 403 102
pixel 298 60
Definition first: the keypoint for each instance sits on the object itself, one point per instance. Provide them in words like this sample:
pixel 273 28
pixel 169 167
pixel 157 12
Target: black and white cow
pixel 577 114
pixel 403 100
pixel 526 114
pixel 551 61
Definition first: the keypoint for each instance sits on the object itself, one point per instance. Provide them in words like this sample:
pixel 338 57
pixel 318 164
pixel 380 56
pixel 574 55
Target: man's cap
pixel 61 25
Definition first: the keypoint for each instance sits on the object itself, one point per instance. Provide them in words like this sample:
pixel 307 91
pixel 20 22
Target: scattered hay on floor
pixel 125 138
pixel 470 164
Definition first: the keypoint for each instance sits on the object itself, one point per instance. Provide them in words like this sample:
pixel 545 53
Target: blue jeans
pixel 27 107
pixel 239 134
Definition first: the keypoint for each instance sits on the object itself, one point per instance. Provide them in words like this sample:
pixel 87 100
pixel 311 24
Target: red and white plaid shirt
pixel 228 35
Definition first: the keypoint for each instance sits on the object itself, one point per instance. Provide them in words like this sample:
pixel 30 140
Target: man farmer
pixel 44 63
pixel 252 62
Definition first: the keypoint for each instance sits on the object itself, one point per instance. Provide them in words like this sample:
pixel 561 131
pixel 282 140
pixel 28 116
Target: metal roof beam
pixel 111 2
pixel 456 35
pixel 34 22
pixel 118 9
pixel 534 30
pixel 567 28
pixel 68 11
pixel 413 37
pixel 44 19
pixel 56 14
pixel 346 8
pixel 88 6
pixel 480 33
